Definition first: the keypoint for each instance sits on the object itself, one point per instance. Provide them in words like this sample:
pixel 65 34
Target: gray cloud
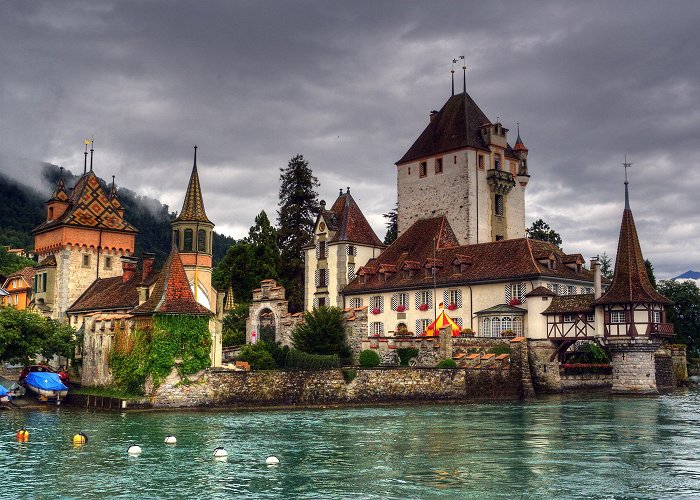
pixel 350 86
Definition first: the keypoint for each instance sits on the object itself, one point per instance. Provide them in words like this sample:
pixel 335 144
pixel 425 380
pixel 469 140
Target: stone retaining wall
pixel 588 381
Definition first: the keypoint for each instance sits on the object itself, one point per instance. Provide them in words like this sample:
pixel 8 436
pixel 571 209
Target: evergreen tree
pixel 650 272
pixel 540 230
pixel 606 267
pixel 262 237
pixel 322 332
pixel 298 202
pixel 392 226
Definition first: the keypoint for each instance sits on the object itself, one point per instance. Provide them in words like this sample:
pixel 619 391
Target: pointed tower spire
pixel 193 206
pixel 626 165
pixel 519 145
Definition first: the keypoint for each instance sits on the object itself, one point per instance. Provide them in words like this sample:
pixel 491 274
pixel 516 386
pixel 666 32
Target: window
pixel 496 327
pixel 356 302
pixel 423 169
pixel 438 166
pixel 590 317
pixel 617 317
pixel 352 250
pixel 351 272
pixel 86 260
pixel 568 318
pixel 553 287
pixel 409 170
pixel 201 241
pixel 376 328
pixel 321 302
pixel 322 280
pixel 402 300
pixel 655 317
pixel 422 325
pixel 321 249
pixel 376 303
pixel 481 162
pixel 51 213
pixel 108 262
pixel 506 323
pixel 518 326
pixel 497 162
pixel 424 297
pixel 571 290
pixel 515 293
pixel 187 244
pixel 498 205
pixel 486 327
pixel 43 282
pixel 452 297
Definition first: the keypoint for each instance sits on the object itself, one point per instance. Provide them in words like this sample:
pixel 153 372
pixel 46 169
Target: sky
pixel 350 85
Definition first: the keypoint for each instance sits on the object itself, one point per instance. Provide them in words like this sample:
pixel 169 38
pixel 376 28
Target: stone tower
pixel 343 241
pixel 192 235
pixel 633 315
pixel 83 239
pixel 462 166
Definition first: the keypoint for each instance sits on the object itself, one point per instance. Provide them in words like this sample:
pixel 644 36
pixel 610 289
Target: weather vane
pixel 626 165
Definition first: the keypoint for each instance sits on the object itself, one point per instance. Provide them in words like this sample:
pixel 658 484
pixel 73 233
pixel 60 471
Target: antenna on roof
pixel 92 150
pixel 464 70
pixel 626 165
pixel 195 155
pixel 454 61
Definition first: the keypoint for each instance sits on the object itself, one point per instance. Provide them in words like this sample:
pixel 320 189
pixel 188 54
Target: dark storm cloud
pixel 350 86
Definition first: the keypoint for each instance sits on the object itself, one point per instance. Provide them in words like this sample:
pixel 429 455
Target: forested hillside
pixel 22 209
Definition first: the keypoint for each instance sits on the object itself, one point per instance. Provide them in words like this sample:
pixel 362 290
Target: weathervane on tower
pixel 626 165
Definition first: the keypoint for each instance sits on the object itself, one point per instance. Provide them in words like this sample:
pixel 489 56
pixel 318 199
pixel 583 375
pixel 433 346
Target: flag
pixel 441 305
pixel 88 141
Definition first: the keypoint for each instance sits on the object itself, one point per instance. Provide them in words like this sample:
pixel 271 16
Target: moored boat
pixel 46 385
pixel 4 395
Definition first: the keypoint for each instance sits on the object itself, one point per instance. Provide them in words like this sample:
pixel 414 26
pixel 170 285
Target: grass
pixel 107 392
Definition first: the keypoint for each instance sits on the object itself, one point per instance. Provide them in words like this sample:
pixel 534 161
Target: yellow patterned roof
pixel 193 206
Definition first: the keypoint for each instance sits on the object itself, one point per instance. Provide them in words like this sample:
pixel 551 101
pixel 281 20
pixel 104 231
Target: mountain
pixel 23 209
pixel 688 275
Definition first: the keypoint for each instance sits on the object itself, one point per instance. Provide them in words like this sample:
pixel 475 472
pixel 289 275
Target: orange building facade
pixel 19 287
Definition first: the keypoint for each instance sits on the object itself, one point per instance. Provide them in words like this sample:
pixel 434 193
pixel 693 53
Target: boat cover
pixel 3 391
pixel 45 380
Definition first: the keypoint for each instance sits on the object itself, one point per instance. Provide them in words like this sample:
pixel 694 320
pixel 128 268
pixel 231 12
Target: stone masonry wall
pixel 545 373
pixel 665 377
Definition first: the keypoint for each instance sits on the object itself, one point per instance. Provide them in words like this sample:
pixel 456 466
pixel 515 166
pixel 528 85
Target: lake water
pixel 556 447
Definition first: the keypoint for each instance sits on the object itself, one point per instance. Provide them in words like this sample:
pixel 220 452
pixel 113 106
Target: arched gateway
pixel 267 312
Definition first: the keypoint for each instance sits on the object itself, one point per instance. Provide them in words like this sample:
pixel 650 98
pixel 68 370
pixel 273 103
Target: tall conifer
pixel 298 202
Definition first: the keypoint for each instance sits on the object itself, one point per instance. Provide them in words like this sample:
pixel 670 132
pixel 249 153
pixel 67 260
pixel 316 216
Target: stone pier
pixel 634 366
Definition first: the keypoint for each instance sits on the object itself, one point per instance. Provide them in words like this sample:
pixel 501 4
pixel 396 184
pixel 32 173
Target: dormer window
pixel 552 264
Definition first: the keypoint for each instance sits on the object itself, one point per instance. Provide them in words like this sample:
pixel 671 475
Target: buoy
pixel 80 439
pixel 272 460
pixel 22 435
pixel 134 449
pixel 220 453
pixel 170 440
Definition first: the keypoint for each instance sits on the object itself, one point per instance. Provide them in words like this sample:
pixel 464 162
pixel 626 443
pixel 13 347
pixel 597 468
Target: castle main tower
pixel 192 235
pixel 462 167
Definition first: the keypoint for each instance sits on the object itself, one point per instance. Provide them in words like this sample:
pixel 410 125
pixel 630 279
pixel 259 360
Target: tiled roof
pixel 89 206
pixel 570 304
pixel 541 291
pixel 49 261
pixel 502 309
pixel 171 293
pixel 108 294
pixel 193 206
pixel 495 261
pixel 457 125
pixel 26 273
pixel 630 282
pixel 349 223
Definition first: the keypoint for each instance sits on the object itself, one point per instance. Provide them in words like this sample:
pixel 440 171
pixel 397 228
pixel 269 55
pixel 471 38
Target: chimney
pixel 597 282
pixel 433 114
pixel 128 268
pixel 148 260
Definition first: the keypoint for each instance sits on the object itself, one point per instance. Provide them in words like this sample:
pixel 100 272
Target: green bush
pixel 405 354
pixel 305 361
pixel 322 332
pixel 258 356
pixel 447 363
pixel 500 349
pixel 278 352
pixel 369 358
pixel 349 374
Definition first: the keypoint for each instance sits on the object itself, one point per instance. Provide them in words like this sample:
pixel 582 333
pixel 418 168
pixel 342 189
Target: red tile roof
pixel 630 281
pixel 541 291
pixel 171 293
pixel 26 273
pixel 495 261
pixel 349 223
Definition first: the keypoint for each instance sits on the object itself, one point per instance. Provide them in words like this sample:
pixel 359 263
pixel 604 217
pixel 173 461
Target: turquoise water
pixel 558 447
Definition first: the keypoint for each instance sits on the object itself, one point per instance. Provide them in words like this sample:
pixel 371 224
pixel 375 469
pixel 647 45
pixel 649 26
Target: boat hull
pixel 47 394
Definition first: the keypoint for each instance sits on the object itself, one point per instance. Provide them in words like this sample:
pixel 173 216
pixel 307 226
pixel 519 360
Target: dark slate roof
pixel 349 223
pixel 494 261
pixel 570 304
pixel 457 125
pixel 541 291
pixel 193 206
pixel 502 309
pixel 90 207
pixel 630 282
pixel 171 293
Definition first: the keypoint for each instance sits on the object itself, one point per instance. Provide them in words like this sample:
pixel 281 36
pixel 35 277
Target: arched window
pixel 187 245
pixel 495 327
pixel 201 241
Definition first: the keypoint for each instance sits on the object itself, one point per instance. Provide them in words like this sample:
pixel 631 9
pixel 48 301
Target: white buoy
pixel 134 449
pixel 170 440
pixel 220 453
pixel 272 460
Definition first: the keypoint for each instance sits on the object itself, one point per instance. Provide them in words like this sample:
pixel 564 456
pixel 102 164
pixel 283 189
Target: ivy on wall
pixel 153 352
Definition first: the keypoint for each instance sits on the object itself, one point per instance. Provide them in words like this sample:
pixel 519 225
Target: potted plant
pixel 515 302
pixel 376 310
pixel 400 308
pixel 423 307
pixel 452 306
pixel 509 334
pixel 467 332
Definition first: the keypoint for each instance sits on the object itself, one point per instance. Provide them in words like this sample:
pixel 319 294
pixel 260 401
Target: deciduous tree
pixel 685 312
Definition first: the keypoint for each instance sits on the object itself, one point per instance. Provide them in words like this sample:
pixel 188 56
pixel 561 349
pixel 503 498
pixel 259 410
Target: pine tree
pixel 540 230
pixel 392 226
pixel 298 202
pixel 606 267
pixel 262 238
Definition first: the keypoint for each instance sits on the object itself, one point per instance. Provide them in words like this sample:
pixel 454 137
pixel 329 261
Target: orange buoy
pixel 22 436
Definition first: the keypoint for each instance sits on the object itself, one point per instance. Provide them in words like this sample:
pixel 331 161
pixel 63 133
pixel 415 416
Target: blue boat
pixel 4 395
pixel 46 385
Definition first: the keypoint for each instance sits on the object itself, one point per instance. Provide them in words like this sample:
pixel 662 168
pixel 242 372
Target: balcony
pixel 662 329
pixel 500 181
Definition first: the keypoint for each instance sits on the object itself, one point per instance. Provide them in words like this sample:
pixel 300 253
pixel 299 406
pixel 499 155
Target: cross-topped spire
pixel 193 206
pixel 626 165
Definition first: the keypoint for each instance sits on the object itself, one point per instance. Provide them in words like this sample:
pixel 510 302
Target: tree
pixel 233 326
pixel 606 268
pixel 262 238
pixel 685 312
pixel 392 226
pixel 650 272
pixel 298 202
pixel 9 263
pixel 322 332
pixel 24 335
pixel 540 230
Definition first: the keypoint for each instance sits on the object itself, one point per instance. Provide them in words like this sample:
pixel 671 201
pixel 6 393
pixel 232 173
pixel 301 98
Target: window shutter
pixel 418 327
pixel 458 321
pixel 418 302
pixel 459 301
pixel 523 288
pixel 509 293
pixel 316 303
pixel 316 276
pixel 394 301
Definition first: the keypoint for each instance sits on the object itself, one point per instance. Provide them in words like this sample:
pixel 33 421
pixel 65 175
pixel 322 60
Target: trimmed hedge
pixel 447 363
pixel 369 358
pixel 305 361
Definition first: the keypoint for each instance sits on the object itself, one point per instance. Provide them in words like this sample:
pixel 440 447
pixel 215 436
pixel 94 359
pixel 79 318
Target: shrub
pixel 405 354
pixel 349 374
pixel 305 361
pixel 369 358
pixel 322 332
pixel 258 356
pixel 447 363
pixel 500 349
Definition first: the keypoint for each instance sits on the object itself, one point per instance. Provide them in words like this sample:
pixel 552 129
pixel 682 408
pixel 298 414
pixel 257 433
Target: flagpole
pixel 434 282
